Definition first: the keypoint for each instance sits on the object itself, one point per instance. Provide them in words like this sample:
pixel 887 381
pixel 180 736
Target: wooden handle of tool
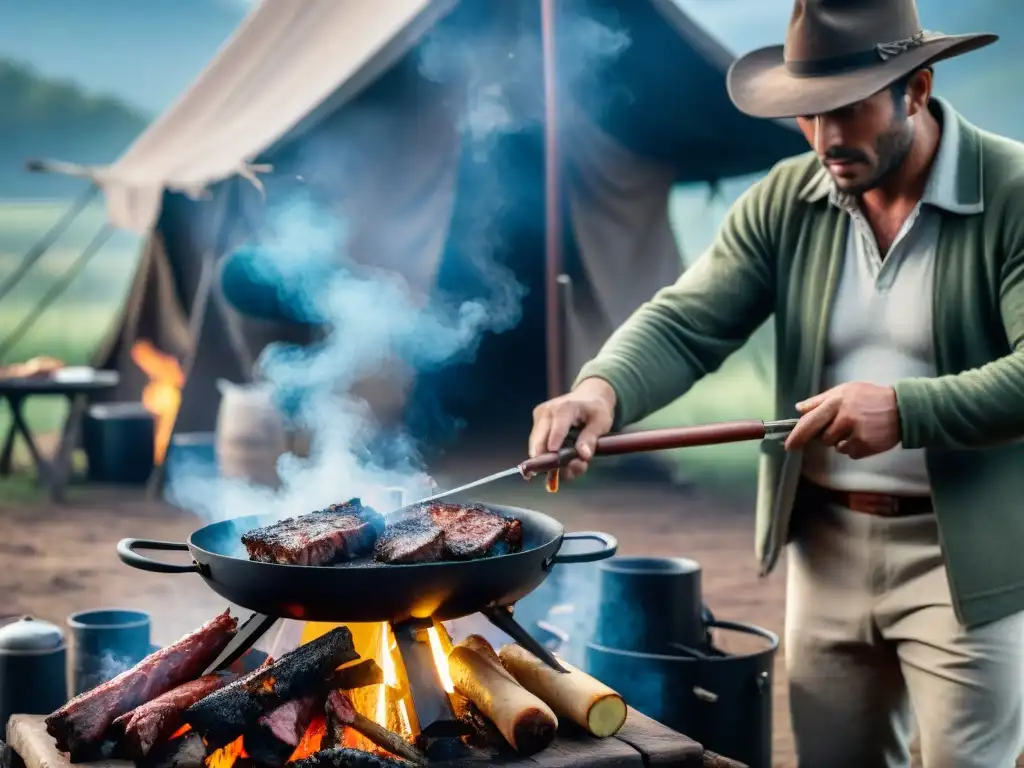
pixel 652 440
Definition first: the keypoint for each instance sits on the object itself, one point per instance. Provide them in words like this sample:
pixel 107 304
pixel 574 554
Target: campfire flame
pixel 388 704
pixel 441 646
pixel 386 656
pixel 162 395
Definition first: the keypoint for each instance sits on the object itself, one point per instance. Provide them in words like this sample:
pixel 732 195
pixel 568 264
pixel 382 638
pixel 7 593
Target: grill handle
pixel 665 439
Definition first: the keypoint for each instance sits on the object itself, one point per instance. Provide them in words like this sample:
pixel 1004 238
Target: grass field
pixel 73 326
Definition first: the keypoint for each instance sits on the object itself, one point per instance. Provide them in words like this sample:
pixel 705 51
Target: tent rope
pixel 57 289
pixel 46 242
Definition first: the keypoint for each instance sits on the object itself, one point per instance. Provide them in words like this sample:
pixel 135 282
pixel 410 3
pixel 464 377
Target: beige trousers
pixel 872 644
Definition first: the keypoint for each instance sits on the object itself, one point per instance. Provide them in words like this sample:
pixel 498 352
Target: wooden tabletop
pixel 641 742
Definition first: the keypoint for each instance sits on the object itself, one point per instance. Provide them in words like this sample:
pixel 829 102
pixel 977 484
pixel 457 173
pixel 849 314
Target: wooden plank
pixel 641 743
pixel 658 744
pixel 26 735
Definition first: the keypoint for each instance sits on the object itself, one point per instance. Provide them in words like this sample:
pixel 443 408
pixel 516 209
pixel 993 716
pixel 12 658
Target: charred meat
pixel 335 534
pixel 437 531
pixel 140 730
pixel 472 532
pixel 416 539
pixel 84 721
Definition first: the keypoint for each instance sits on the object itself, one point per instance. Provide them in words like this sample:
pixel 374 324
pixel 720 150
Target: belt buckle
pixel 877 504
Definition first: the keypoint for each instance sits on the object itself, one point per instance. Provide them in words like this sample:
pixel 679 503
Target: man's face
pixel 863 143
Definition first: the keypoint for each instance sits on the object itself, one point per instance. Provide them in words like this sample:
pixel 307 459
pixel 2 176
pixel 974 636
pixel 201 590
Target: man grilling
pixel 892 258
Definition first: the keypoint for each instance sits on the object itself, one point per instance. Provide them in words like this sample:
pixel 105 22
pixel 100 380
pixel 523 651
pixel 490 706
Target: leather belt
pixel 875 504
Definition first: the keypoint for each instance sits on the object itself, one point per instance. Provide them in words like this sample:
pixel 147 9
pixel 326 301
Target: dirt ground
pixel 55 560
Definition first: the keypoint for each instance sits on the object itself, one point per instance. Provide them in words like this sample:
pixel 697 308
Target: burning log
pixel 575 695
pixel 346 758
pixel 226 714
pixel 277 734
pixel 82 723
pixel 334 733
pixel 340 709
pixel 138 731
pixel 526 722
pixel 482 732
pixel 361 675
pixel 184 751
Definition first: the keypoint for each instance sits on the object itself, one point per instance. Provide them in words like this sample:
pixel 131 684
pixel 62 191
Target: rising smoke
pixel 370 314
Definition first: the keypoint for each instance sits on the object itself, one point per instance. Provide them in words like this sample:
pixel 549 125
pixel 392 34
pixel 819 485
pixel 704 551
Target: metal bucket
pixel 724 702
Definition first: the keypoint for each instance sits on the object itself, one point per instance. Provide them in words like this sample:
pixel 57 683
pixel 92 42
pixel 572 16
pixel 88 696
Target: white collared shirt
pixel 880 330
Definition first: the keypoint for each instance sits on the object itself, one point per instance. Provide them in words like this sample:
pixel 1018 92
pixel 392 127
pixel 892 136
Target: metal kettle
pixel 33 668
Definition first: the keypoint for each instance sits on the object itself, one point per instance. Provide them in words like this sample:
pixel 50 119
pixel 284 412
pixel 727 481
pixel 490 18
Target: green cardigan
pixel 779 252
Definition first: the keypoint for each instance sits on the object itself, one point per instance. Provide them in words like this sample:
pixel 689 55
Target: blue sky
pixel 147 51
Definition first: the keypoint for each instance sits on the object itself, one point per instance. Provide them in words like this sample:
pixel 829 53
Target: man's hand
pixel 859 419
pixel 591 406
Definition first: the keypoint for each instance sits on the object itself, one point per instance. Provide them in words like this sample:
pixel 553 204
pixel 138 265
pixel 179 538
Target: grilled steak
pixel 472 532
pixel 416 539
pixel 340 532
pixel 433 532
pixel 83 721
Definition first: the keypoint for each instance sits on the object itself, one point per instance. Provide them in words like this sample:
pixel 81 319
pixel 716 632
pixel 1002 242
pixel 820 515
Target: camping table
pixel 56 473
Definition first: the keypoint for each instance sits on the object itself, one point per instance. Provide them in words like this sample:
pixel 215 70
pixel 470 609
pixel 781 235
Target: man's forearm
pixel 689 328
pixel 973 409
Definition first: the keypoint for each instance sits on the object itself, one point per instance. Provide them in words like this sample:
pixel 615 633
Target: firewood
pixel 346 758
pixel 272 739
pixel 480 644
pixel 575 695
pixel 526 722
pixel 361 675
pixel 340 709
pixel 224 715
pixel 482 732
pixel 185 751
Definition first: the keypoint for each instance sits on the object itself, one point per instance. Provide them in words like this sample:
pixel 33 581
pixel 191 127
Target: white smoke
pixel 370 315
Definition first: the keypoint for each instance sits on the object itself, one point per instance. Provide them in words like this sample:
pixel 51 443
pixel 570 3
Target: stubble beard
pixel 891 149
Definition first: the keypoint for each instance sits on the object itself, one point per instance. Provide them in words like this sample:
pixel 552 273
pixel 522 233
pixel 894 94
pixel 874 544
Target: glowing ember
pixel 226 756
pixel 311 739
pixel 181 731
pixel 162 395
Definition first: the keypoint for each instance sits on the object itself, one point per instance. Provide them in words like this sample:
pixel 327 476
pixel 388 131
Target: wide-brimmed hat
pixel 839 52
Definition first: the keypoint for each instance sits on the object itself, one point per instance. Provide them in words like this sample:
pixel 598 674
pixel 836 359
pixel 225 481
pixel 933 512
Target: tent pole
pixel 45 242
pixel 553 208
pixel 197 316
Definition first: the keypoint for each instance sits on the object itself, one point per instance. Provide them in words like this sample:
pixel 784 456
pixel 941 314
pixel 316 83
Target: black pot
pixel 33 674
pixel 115 437
pixel 723 702
pixel 650 605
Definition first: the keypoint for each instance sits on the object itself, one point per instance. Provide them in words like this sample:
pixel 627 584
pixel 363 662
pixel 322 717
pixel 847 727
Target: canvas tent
pixel 368 107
